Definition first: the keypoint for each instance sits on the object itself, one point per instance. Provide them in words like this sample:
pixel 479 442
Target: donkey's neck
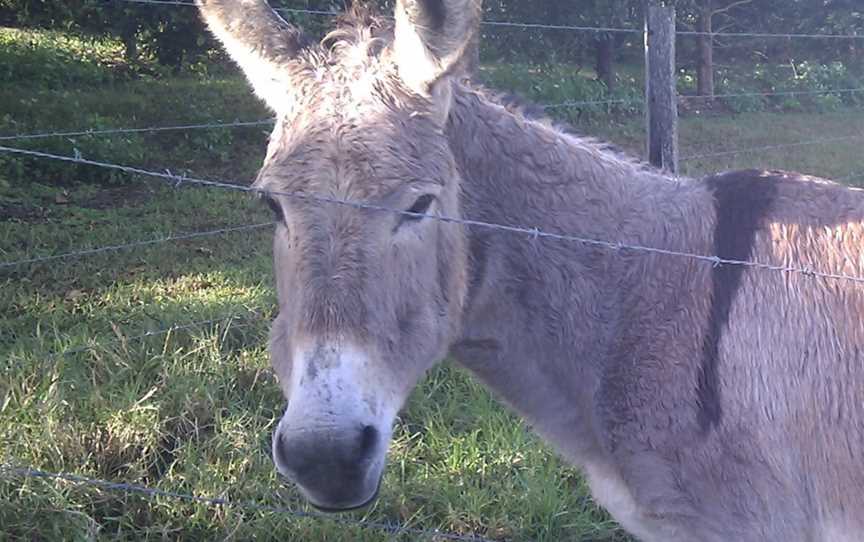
pixel 542 315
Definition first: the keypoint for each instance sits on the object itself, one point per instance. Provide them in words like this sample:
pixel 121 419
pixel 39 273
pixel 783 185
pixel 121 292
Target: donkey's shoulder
pixel 784 195
pixel 750 180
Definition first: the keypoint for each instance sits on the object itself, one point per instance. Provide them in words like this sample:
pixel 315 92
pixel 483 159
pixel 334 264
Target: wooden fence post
pixel 661 95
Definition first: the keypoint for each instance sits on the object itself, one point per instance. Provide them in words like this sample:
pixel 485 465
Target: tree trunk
pixel 605 56
pixel 705 72
pixel 130 44
pixel 855 55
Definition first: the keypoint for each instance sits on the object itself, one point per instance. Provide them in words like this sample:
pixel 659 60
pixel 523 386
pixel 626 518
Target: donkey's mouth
pixel 336 510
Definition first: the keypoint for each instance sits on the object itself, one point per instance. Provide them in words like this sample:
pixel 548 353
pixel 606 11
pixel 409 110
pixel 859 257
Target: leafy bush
pixel 564 89
pixel 66 82
pixel 822 87
pixel 167 34
pixel 748 101
pixel 121 148
pixel 52 59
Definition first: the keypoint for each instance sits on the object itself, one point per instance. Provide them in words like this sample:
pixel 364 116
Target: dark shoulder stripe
pixel 742 199
pixel 434 14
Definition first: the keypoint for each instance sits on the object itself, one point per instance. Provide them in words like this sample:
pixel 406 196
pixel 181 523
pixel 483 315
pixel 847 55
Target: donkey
pixel 702 402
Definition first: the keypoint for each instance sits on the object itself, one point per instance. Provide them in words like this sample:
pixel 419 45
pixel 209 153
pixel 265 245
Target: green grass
pixel 192 410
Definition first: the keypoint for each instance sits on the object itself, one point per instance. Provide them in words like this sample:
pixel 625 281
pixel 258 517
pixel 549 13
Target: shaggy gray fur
pixel 702 404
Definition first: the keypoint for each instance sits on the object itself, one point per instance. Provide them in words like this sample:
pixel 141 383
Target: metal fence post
pixel 660 92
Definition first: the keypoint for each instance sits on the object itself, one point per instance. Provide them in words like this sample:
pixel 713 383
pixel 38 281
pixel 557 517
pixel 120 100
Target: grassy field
pixel 191 410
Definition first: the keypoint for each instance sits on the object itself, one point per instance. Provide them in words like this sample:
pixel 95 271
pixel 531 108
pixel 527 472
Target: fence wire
pixel 254 123
pixel 771 94
pixel 534 233
pixel 769 35
pixel 270 121
pixel 542 26
pixel 134 244
pixel 9 471
pixel 771 147
pixel 115 131
pixel 504 24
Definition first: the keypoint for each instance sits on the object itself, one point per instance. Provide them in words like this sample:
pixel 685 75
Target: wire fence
pixel 12 471
pixel 770 94
pixel 9 470
pixel 151 129
pixel 533 233
pixel 269 122
pixel 779 146
pixel 135 244
pixel 576 28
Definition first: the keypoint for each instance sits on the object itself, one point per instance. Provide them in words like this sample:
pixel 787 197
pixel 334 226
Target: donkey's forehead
pixel 369 148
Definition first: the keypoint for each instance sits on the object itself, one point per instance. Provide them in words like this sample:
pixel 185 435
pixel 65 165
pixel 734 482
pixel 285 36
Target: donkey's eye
pixel 420 207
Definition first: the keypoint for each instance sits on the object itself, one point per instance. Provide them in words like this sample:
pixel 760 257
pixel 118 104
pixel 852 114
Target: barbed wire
pixel 533 233
pixel 769 35
pixel 543 26
pixel 298 11
pixel 264 122
pixel 594 102
pixel 715 96
pixel 771 147
pixel 770 94
pixel 192 4
pixel 114 131
pixel 270 121
pixel 242 124
pixel 134 244
pixel 222 502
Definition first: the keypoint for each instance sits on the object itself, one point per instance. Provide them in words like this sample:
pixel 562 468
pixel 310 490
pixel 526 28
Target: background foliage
pixel 174 38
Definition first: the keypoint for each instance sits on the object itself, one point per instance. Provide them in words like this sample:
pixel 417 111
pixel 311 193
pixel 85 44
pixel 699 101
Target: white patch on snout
pixel 338 386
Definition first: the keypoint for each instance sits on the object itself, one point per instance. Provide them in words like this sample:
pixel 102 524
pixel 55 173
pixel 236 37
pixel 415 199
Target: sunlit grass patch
pixel 825 145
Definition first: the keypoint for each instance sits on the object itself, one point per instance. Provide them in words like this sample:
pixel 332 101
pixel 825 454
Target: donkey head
pixel 368 300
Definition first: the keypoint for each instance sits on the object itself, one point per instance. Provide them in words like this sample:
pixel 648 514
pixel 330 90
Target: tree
pixel 605 43
pixel 707 11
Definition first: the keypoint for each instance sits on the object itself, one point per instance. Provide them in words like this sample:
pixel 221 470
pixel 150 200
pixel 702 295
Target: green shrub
pixel 814 80
pixel 564 88
pixel 50 59
pixel 748 100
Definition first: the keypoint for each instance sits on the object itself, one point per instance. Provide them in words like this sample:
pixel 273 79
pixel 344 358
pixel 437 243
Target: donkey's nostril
pixel 368 441
pixel 280 453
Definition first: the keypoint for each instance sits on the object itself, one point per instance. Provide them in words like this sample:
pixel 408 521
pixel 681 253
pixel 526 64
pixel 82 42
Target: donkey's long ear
pixel 260 41
pixel 432 38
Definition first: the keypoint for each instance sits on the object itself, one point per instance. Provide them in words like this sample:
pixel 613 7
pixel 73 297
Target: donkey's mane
pixel 362 29
pixel 519 105
pixel 359 26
